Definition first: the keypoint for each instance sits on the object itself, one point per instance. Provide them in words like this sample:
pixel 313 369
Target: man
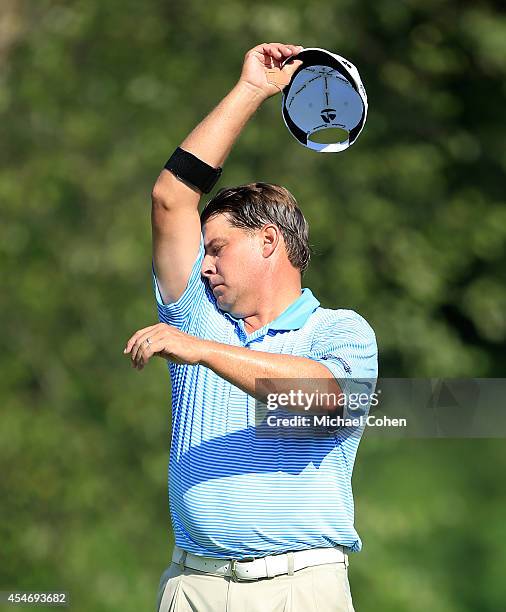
pixel 261 523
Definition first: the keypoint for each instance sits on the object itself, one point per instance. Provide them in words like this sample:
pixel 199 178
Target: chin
pixel 221 303
pixel 226 307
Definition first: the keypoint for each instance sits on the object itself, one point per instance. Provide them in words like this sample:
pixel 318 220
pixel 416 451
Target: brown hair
pixel 253 205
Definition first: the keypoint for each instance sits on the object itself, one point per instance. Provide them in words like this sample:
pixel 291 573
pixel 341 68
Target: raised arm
pixel 175 219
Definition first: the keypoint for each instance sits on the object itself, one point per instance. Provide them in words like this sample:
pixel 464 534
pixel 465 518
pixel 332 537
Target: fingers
pixel 134 338
pixel 141 344
pixel 146 351
pixel 278 51
pixel 138 345
pixel 295 48
pixel 291 66
pixel 274 54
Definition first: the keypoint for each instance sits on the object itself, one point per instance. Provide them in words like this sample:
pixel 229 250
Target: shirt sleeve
pixel 179 313
pixel 346 345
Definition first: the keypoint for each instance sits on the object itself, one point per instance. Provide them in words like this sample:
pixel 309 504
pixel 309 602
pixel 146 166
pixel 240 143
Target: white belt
pixel 264 567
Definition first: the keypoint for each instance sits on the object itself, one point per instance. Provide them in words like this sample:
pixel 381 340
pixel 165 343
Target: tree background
pixel 409 226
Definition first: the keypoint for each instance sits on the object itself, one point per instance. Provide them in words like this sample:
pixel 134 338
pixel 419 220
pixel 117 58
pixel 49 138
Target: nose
pixel 208 268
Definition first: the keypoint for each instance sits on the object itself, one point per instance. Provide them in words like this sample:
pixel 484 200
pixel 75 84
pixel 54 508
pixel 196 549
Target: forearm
pixel 259 373
pixel 212 139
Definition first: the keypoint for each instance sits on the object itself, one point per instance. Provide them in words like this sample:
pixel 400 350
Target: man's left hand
pixel 165 341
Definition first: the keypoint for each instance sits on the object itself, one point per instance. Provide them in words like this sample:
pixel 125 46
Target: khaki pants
pixel 321 588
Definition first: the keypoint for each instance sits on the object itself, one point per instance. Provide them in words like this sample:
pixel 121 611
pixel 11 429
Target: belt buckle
pixel 233 569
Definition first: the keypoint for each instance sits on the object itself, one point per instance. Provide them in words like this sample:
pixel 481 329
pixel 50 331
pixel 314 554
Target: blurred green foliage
pixel 409 227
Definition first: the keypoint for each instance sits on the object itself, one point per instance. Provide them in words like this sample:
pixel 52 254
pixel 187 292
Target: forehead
pixel 219 227
pixel 218 223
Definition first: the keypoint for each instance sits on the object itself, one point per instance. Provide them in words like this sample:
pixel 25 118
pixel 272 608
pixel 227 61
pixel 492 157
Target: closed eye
pixel 214 247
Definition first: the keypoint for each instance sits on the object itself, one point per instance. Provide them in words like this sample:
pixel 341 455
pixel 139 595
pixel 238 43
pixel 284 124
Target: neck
pixel 269 308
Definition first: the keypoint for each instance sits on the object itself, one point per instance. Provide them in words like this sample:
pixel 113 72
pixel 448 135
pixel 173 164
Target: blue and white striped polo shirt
pixel 233 494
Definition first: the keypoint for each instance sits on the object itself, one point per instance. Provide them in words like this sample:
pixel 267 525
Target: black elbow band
pixel 193 170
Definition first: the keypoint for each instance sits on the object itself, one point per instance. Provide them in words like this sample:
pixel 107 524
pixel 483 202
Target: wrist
pixel 206 350
pixel 251 92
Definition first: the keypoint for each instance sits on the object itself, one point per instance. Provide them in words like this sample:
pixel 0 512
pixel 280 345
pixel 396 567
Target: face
pixel 232 264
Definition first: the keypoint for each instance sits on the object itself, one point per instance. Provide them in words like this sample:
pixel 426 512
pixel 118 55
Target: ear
pixel 270 239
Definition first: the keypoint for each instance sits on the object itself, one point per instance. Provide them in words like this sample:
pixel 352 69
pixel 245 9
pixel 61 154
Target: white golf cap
pixel 324 92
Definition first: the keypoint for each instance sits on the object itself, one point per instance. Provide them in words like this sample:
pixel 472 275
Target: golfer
pixel 261 523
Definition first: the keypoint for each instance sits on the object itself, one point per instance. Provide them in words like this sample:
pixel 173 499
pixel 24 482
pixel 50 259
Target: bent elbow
pixel 160 197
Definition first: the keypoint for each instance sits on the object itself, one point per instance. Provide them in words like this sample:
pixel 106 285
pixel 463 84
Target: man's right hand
pixel 267 57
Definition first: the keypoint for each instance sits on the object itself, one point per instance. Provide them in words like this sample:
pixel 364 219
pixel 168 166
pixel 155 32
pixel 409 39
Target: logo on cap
pixel 328 114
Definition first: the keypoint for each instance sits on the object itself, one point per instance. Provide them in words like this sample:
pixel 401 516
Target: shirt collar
pixel 294 316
